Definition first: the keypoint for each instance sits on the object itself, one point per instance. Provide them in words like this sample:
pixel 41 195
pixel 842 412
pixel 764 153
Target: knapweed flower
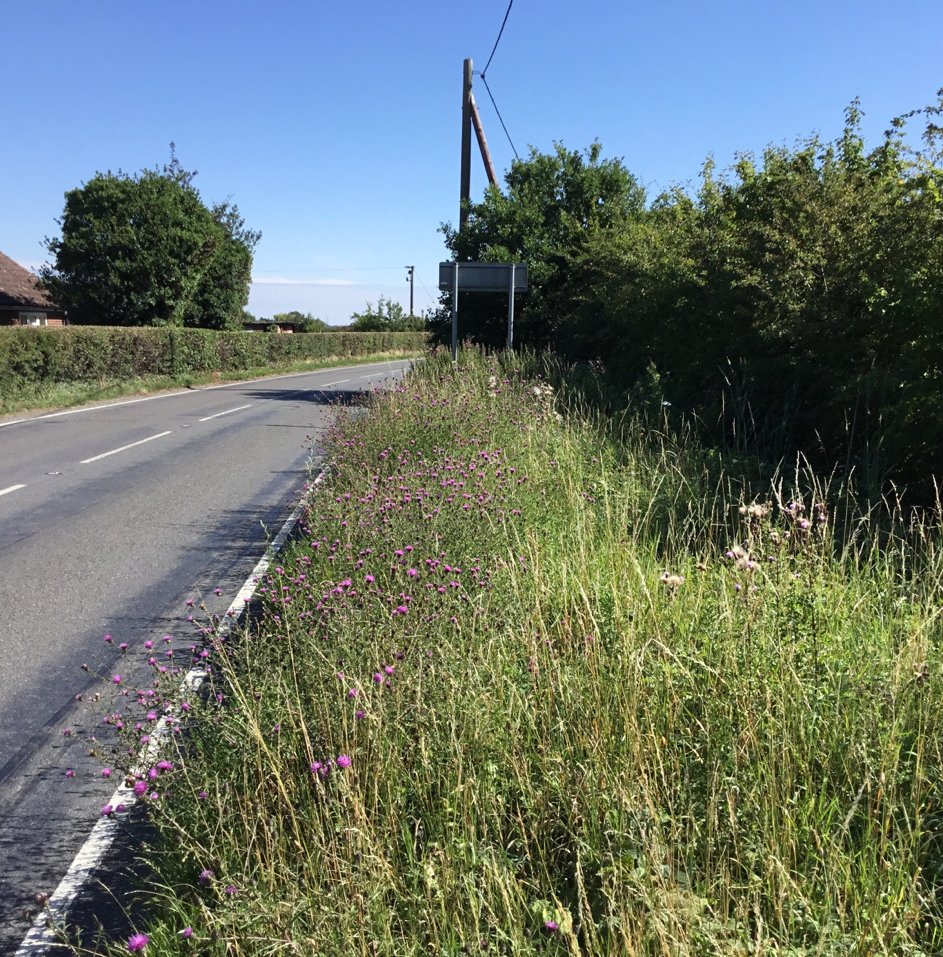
pixel 206 876
pixel 186 933
pixel 137 943
pixel 343 761
pixel 551 926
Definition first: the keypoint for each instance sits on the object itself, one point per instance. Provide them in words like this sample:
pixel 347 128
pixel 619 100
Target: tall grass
pixel 523 688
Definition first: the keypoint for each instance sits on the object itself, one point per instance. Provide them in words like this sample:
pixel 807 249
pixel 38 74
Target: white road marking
pixel 374 375
pixel 124 448
pixel 218 414
pixel 10 488
pixel 42 935
pixel 327 385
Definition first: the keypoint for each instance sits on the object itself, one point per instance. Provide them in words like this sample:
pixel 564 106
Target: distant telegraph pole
pixel 411 279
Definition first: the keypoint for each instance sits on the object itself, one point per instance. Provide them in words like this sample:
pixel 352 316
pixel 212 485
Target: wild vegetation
pixel 530 683
pixel 790 303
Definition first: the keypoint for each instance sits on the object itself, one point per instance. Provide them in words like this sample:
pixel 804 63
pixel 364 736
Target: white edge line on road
pixel 124 448
pixel 42 935
pixel 218 414
pixel 10 488
pixel 197 390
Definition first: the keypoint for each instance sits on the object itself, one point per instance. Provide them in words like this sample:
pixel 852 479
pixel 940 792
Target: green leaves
pixel 554 204
pixel 386 316
pixel 145 250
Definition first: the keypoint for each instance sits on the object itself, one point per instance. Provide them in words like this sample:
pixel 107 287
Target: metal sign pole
pixel 511 308
pixel 455 312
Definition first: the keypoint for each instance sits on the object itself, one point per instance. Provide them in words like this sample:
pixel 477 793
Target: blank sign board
pixel 483 277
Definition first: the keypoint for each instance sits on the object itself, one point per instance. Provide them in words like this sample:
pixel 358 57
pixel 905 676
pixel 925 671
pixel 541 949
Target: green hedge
pixel 30 357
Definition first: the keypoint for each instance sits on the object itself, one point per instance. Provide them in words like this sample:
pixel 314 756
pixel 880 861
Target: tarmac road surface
pixel 111 517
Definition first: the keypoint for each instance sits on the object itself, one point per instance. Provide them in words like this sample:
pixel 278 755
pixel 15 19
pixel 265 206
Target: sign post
pixel 482 277
pixel 511 306
pixel 455 311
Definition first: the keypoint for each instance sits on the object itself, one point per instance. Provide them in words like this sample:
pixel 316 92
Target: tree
pixel 386 316
pixel 144 250
pixel 553 205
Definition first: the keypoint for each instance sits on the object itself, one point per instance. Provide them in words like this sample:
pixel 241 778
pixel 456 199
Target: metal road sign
pixel 458 277
pixel 483 277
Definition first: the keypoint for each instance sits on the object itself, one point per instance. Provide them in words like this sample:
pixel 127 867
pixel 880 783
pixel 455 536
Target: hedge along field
pixel 33 358
pixel 523 688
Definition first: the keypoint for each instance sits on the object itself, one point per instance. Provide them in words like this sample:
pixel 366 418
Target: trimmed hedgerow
pixel 32 357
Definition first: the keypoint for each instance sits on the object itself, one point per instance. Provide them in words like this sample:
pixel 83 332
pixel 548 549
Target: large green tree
pixel 144 250
pixel 552 206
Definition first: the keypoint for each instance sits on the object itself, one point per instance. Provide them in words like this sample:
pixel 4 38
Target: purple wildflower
pixel 137 943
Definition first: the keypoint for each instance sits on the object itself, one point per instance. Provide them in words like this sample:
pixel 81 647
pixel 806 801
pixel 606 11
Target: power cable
pixel 496 42
pixel 495 105
pixel 434 302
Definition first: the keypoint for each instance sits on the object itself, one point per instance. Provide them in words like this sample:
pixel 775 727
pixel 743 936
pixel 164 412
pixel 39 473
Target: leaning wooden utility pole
pixel 465 194
pixel 482 142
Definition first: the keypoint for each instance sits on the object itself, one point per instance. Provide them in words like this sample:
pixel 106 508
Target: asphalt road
pixel 111 518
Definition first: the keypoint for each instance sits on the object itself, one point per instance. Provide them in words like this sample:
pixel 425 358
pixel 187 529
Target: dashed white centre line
pixel 374 375
pixel 238 408
pixel 124 448
pixel 327 385
pixel 10 488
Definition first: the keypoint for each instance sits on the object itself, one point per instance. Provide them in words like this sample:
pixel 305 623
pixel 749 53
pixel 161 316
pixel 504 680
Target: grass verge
pixel 521 688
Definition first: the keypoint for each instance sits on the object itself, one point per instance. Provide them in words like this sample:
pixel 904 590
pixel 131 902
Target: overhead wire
pixel 434 302
pixel 484 80
pixel 503 127
pixel 507 13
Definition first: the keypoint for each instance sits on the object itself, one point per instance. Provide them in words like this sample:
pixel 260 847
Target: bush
pixel 30 358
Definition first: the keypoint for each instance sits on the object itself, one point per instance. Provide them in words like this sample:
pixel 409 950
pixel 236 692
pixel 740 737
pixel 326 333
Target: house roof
pixel 19 289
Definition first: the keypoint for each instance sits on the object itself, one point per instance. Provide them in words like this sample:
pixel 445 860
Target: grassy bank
pixel 61 395
pixel 521 689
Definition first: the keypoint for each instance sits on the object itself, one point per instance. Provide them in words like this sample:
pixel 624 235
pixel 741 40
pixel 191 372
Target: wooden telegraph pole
pixel 465 194
pixel 470 117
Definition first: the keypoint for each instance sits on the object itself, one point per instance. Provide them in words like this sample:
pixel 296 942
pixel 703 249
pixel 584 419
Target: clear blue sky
pixel 335 126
